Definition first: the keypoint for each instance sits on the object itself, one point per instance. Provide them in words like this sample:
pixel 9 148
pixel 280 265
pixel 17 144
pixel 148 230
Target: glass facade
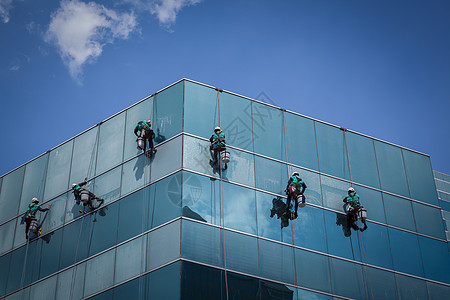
pixel 176 226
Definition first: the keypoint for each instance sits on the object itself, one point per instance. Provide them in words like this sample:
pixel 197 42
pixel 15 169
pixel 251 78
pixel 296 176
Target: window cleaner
pixel 217 141
pixel 144 133
pixel 354 210
pixel 85 196
pixel 32 225
pixel 294 190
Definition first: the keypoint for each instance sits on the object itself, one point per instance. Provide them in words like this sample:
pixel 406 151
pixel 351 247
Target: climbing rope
pixel 365 261
pixel 75 260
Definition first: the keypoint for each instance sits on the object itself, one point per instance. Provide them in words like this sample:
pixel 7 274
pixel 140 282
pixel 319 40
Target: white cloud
pixel 5 6
pixel 81 30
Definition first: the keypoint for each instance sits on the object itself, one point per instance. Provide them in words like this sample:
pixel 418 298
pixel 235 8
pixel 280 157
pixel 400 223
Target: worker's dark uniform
pixel 217 144
pixel 294 189
pixel 352 199
pixel 77 189
pixel 143 129
pixel 30 215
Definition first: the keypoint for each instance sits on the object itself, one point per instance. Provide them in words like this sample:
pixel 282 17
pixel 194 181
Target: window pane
pixel 276 261
pixel 15 270
pixel 201 198
pixel 70 285
pixel 437 291
pixel 347 279
pixel 271 175
pixel 164 283
pixel 268 131
pixel 240 252
pixel 269 290
pixel 165 200
pixel 380 284
pixel 333 192
pixel 133 215
pixel 4 266
pixel 130 259
pixel 242 287
pixel 405 261
pixel 428 220
pixel 168 112
pixel 163 245
pixel 110 146
pixel 167 159
pixel 390 166
pixel 307 295
pixel 20 295
pixel 310 229
pixel 235 120
pixel 33 182
pixel 55 216
pixel 141 112
pixel 311 179
pixel 99 273
pixel 372 201
pixel 239 208
pixel 271 218
pixel 84 156
pixel 107 186
pixel 411 288
pixel 103 229
pixel 58 170
pixel 7 235
pixel 319 279
pixel 375 244
pixel 363 164
pixel 420 177
pixel 197 157
pixel 43 261
pixel 200 100
pixel 44 290
pixel 133 289
pixel 240 168
pixel 75 242
pixel 436 260
pixel 332 153
pixel 301 141
pixel 202 243
pixel 10 194
pixel 398 212
pixel 135 174
pixel 200 282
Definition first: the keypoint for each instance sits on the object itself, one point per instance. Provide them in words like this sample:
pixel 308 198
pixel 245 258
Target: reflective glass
pixel 200 100
pixel 240 168
pixel 110 144
pixel 107 186
pixel 398 212
pixel 362 159
pixel 58 170
pixel 165 200
pixel 347 279
pixel 271 175
pixel 333 192
pixel 44 290
pixel 130 259
pixel 235 120
pixel 33 182
pixel 140 112
pixel 99 273
pixel 276 261
pixel 420 177
pixel 268 131
pixel 168 112
pixel 10 194
pixel 390 166
pixel 84 156
pixel 133 289
pixel 164 283
pixel 20 295
pixel 380 284
pixel 75 242
pixel 271 219
pixel 436 259
pixel 197 157
pixel 269 290
pixel 135 174
pixel 44 258
pixel 310 229
pixel 312 270
pixel 202 243
pixel 405 252
pixel 240 251
pixel 167 159
pixel 55 216
pixel 239 208
pixel 342 240
pixel 133 215
pixel 307 295
pixel 4 266
pixel 332 152
pixel 428 220
pixel 411 288
pixel 16 270
pixel 375 246
pixel 301 141
pixel 103 229
pixel 311 179
pixel 19 235
pixel 201 198
pixel 7 235
pixel 437 291
pixel 71 283
pixel 163 245
pixel 108 295
pixel 372 201
pixel 241 287
pixel 201 282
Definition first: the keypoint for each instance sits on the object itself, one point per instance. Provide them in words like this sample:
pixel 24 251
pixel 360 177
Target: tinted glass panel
pixel 44 259
pixel 70 283
pixel 168 112
pixel 375 246
pixel 99 273
pixel 197 157
pixel 84 156
pixel 420 177
pixel 15 270
pixel 10 194
pixel 107 186
pixel 34 182
pixel 164 283
pixel 362 159
pixel 411 288
pixel 240 168
pixel 167 159
pixel 200 282
pixel 268 131
pixel 135 174
pixel 133 215
pixel 240 252
pixel 276 261
pixel 437 291
pixel 271 175
pixel 269 290
pixel 390 166
pixel 347 279
pixel 55 216
pixel 4 266
pixel 163 245
pixel 235 120
pixel 7 235
pixel 307 261
pixel 333 192
pixel 313 192
pixel 304 294
pixel 398 212
pixel 44 290
pixel 372 201
pixel 428 220
pixel 380 284
pixel 239 208
pixel 103 229
pixel 301 141
pixel 75 242
pixel 130 259
pixel 310 229
pixel 134 289
pixel 58 170
pixel 242 287
pixel 200 100
pixel 436 260
pixel 409 261
pixel 110 147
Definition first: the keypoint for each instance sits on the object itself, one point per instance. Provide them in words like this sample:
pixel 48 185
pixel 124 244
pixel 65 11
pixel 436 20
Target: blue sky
pixel 381 68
